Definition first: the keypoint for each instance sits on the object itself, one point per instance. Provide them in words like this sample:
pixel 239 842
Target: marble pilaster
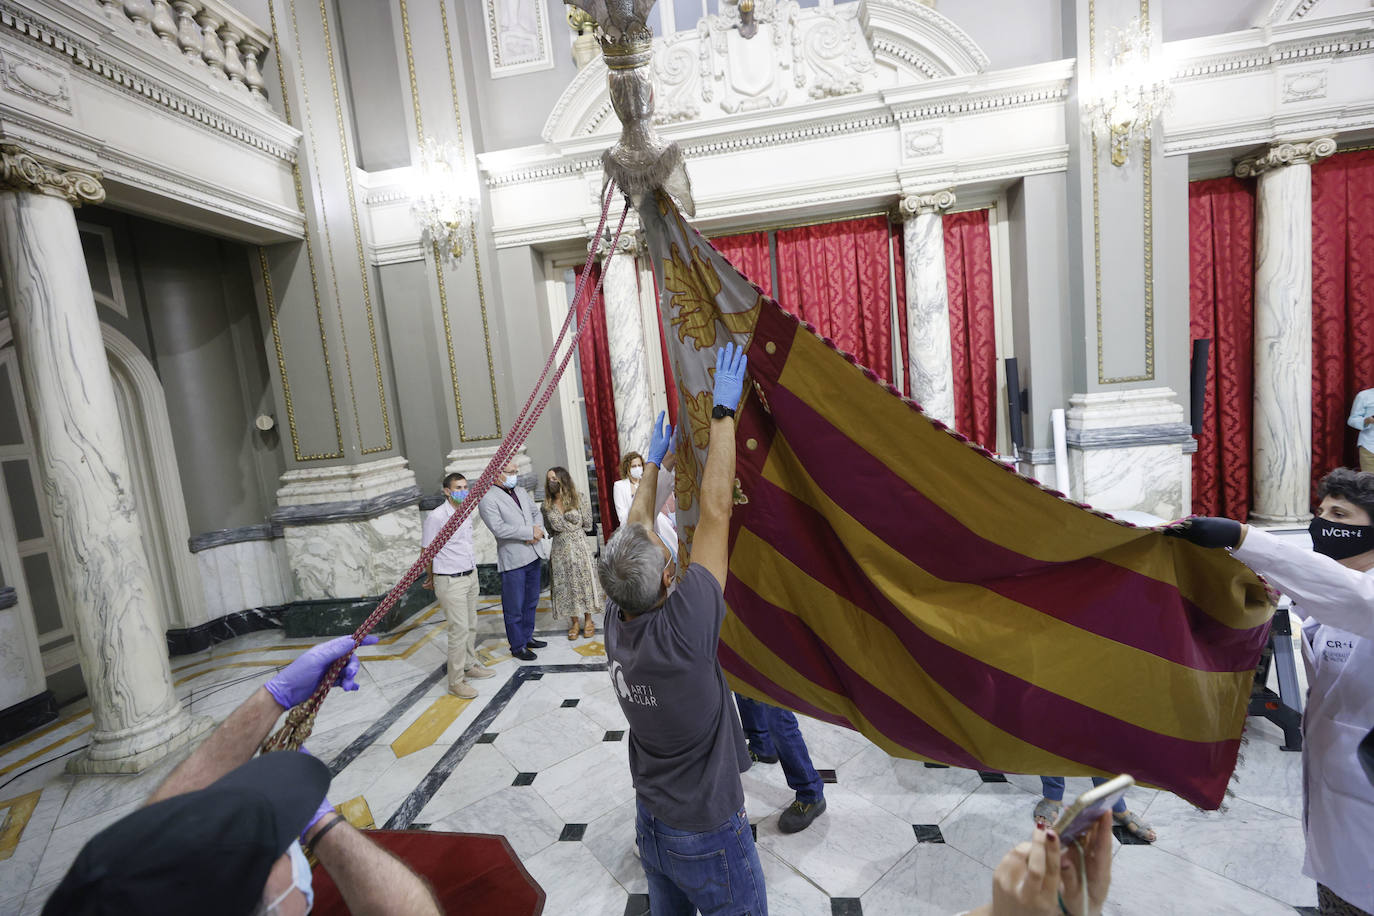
pixel 930 365
pixel 102 566
pixel 1127 451
pixel 1283 328
pixel 342 540
pixel 625 332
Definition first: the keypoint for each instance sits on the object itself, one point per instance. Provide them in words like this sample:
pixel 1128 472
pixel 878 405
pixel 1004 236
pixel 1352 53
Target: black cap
pixel 206 852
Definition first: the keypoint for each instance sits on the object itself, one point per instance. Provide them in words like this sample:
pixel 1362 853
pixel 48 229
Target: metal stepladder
pixel 1284 708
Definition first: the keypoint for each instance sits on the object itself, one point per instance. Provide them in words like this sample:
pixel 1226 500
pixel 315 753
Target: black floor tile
pixel 486 738
pixel 569 704
pixel 846 906
pixel 991 777
pixel 614 736
pixel 935 766
pixel 1126 837
pixel 827 776
pixel 754 829
pixel 523 779
pixel 1308 910
pixel 928 833
pixel 572 833
pixel 637 905
pixel 418 827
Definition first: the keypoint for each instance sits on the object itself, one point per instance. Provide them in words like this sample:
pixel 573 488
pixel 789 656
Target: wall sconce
pixel 1123 103
pixel 444 197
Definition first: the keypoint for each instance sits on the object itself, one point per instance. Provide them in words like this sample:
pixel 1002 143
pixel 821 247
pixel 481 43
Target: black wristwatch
pixel 720 412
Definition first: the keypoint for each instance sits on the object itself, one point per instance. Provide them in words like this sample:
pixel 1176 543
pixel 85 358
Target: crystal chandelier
pixel 1124 103
pixel 444 197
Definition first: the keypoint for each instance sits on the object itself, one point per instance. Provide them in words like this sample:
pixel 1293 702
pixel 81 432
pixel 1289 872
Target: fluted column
pixel 1283 328
pixel 930 365
pixel 102 568
pixel 628 342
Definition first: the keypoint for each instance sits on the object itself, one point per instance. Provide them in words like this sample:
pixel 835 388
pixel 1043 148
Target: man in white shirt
pixel 453 578
pixel 1333 593
pixel 1362 418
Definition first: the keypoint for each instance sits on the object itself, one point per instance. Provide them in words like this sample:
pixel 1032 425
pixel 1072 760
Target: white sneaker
pixel 477 672
pixel 464 691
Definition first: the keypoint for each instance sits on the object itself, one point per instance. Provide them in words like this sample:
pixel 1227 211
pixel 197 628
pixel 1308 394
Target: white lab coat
pixel 1337 607
pixel 623 495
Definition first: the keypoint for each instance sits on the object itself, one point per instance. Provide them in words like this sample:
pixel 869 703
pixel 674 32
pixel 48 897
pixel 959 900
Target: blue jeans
pixel 1053 789
pixel 519 601
pixel 716 871
pixel 773 732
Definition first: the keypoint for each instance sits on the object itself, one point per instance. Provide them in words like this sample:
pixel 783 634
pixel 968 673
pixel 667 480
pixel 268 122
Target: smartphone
pixel 1090 806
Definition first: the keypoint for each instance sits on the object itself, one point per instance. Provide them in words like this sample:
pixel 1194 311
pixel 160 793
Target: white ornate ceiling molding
pixel 1281 11
pixel 171 137
pixel 799 56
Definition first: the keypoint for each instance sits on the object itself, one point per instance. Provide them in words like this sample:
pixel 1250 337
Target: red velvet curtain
pixel 749 254
pixel 1221 261
pixel 1342 302
pixel 594 361
pixel 838 277
pixel 972 325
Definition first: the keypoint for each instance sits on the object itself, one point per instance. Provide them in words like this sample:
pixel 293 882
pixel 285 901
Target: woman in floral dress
pixel 573 588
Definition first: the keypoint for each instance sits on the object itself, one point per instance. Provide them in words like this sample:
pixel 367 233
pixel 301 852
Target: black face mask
pixel 1340 541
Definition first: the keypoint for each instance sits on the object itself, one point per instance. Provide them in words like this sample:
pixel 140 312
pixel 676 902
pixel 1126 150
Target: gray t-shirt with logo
pixel 686 745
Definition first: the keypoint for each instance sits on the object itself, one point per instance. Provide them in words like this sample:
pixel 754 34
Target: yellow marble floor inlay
pixel 357 813
pixel 589 649
pixel 430 724
pixel 43 750
pixel 17 814
pixel 494 654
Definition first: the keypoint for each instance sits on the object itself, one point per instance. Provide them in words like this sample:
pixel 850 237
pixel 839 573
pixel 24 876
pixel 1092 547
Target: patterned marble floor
pixel 540 756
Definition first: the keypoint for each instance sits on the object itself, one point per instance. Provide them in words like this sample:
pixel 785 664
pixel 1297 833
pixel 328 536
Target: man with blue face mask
pixel 1333 592
pixel 509 511
pixel 453 579
pixel 223 835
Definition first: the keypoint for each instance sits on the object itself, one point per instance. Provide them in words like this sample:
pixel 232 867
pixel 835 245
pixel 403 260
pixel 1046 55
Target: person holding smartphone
pixel 1333 594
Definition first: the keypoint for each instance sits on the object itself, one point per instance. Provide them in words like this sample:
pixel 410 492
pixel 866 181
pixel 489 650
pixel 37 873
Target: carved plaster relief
pixel 1303 87
pixel 925 141
pixel 33 80
pixel 518 39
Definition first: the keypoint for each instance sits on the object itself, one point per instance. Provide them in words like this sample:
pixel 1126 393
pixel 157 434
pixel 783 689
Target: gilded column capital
pixel 21 170
pixel 916 204
pixel 1285 153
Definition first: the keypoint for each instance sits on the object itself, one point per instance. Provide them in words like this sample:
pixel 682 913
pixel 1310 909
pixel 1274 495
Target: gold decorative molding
pixel 1147 171
pixel 314 284
pixel 1285 153
pixel 21 170
pixel 439 268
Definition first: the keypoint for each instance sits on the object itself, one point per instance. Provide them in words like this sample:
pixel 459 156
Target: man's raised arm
pixel 711 544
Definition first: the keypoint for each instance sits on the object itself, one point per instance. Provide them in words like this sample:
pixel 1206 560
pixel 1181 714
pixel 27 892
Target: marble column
pixel 625 332
pixel 930 365
pixel 102 567
pixel 1283 328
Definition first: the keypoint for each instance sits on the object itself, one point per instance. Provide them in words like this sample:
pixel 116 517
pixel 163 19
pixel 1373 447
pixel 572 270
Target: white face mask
pixel 300 880
pixel 511 481
pixel 637 471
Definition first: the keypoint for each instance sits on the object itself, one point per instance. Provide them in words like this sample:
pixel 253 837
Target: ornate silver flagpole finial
pixel 641 161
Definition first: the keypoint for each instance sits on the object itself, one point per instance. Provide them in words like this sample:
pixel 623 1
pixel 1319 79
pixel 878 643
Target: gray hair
pixel 631 569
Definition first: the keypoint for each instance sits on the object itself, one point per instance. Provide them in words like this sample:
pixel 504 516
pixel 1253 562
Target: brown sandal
pixel 589 628
pixel 572 630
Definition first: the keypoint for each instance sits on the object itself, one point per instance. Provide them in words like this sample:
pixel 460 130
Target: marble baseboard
pixel 223 536
pixel 348 510
pixel 243 575
pixel 349 559
pixel 338 617
pixel 197 639
pixel 1131 436
pixel 489 578
pixel 25 716
pixel 1140 479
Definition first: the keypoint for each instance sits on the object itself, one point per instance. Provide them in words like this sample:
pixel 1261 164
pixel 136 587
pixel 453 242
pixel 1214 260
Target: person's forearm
pixel 642 509
pixel 718 478
pixel 230 745
pixel 370 879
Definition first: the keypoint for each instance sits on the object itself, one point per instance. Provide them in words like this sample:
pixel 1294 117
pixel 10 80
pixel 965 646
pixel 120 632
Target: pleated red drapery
pixel 1221 261
pixel 972 324
pixel 838 277
pixel 1342 302
pixel 594 360
pixel 749 254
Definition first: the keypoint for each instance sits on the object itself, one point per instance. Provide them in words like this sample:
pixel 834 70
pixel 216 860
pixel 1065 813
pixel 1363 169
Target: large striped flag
pixel 888 576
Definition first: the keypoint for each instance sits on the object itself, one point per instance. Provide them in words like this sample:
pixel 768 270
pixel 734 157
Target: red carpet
pixel 470 873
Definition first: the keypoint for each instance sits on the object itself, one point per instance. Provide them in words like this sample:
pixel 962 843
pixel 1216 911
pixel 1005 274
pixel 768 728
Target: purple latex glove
pixel 294 683
pixel 325 807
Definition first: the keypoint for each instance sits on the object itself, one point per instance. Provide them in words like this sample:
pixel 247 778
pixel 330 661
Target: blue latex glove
pixel 298 680
pixel 730 372
pixel 661 442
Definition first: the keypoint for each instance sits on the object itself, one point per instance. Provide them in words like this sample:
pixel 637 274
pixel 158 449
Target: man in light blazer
pixel 509 511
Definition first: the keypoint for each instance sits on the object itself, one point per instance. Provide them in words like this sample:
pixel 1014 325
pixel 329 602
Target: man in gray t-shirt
pixel 686 745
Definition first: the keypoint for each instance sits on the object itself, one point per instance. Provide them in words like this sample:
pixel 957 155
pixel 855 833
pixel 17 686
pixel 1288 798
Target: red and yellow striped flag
pixel 888 576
